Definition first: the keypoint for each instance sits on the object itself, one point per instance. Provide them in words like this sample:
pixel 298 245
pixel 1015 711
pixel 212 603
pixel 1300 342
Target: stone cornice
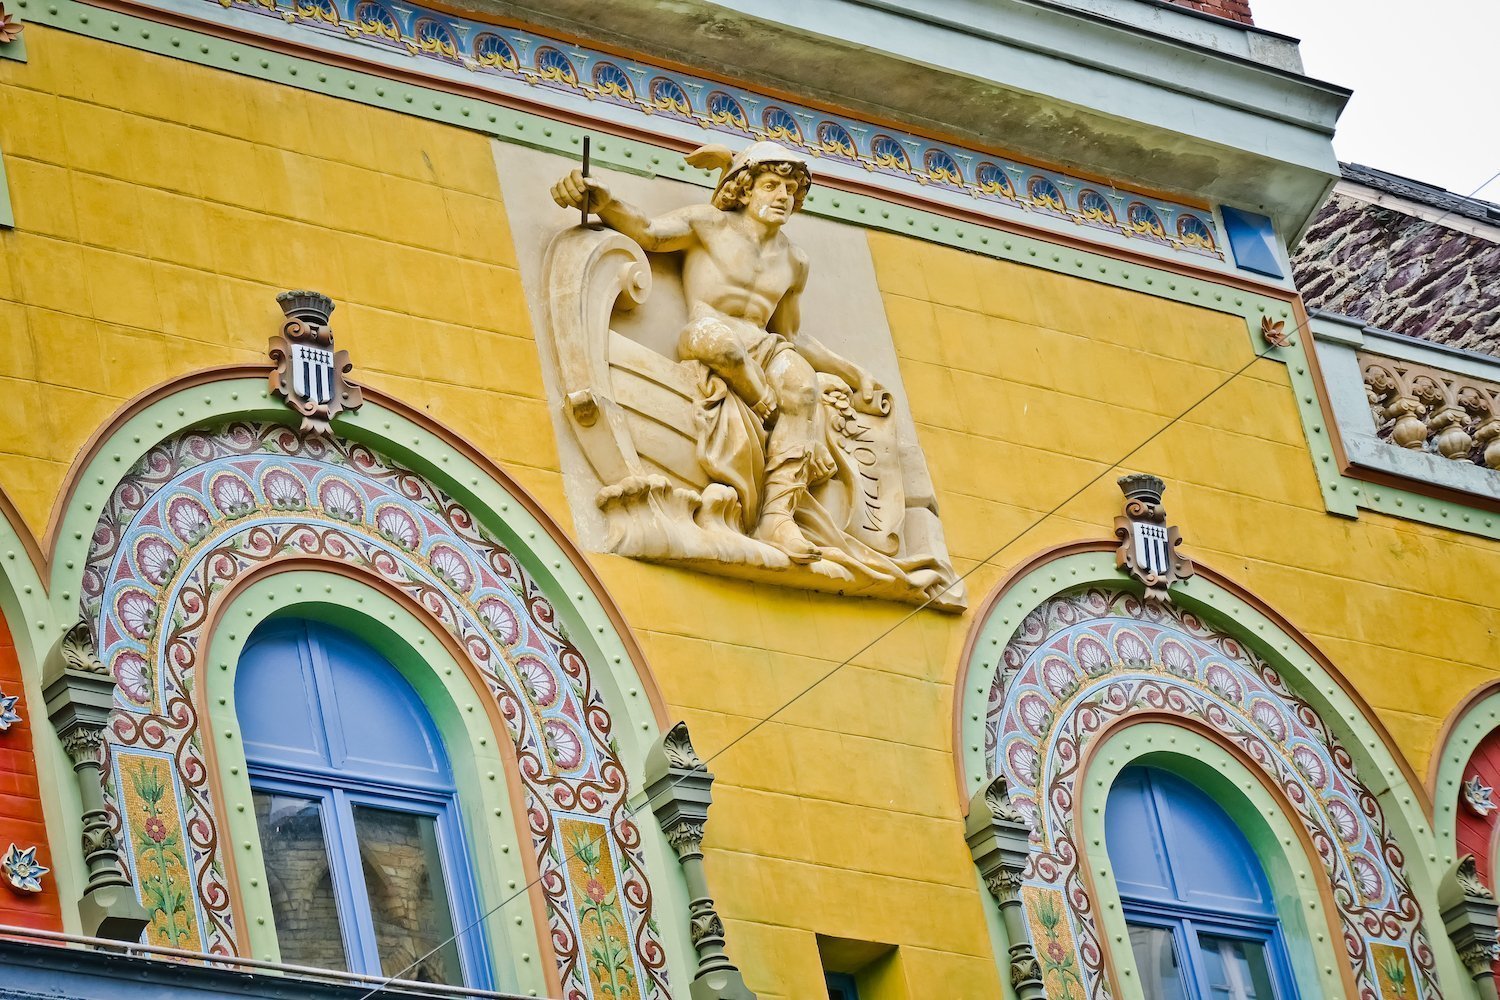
pixel 1147 95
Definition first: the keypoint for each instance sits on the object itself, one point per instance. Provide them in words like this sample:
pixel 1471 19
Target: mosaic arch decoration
pixel 654 98
pixel 204 508
pixel 1089 659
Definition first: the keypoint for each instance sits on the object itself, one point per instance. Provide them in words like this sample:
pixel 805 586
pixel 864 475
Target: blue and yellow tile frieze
pixel 515 62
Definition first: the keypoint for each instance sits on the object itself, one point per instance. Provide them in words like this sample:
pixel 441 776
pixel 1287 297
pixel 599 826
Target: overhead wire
pixel 912 613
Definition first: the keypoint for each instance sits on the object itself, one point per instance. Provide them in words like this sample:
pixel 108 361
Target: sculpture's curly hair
pixel 736 194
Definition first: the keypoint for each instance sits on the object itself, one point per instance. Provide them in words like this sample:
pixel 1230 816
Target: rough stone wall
pixel 1234 10
pixel 1402 273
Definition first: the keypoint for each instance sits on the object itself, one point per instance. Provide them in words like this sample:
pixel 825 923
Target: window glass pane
pixel 297 875
pixel 1236 969
pixel 1157 962
pixel 408 899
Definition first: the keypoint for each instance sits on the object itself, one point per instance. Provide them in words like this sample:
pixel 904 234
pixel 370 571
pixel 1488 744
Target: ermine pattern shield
pixel 1152 549
pixel 312 373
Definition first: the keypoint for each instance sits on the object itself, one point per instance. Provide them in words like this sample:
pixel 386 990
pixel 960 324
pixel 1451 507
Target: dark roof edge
pixel 1427 194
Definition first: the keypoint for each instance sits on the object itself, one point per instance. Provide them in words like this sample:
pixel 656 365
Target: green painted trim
pixel 7 215
pixel 1341 495
pixel 490 829
pixel 1372 757
pixel 405 442
pixel 1345 495
pixel 1311 940
pixel 501 512
pixel 1478 721
pixel 17 49
pixel 23 604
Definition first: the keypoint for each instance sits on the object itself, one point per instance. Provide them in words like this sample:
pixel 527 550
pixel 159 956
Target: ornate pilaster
pixel 679 787
pixel 1469 916
pixel 1000 841
pixel 79 694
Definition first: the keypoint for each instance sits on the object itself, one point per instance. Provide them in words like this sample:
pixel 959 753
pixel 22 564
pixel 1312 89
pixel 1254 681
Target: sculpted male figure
pixel 743 280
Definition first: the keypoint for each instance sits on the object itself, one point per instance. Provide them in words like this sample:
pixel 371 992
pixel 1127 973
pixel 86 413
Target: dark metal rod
pixel 584 208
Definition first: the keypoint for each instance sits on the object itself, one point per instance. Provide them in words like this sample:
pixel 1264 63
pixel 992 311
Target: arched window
pixel 1202 919
pixel 357 811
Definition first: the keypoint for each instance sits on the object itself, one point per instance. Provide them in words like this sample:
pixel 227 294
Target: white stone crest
pixel 751 448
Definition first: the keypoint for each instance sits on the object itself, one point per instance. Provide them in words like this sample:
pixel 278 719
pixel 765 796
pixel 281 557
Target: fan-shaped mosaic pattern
pixel 202 510
pixel 1085 661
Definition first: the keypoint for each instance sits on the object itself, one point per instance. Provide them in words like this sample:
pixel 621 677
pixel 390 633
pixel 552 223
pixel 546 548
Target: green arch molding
pixel 1311 942
pixel 1380 770
pixel 1474 719
pixel 583 619
pixel 23 605
pixel 479 767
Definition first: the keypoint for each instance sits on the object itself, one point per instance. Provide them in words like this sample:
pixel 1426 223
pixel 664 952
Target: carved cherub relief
pixel 755 450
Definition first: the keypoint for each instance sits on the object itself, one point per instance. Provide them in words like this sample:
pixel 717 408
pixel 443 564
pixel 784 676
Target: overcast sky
pixel 1425 76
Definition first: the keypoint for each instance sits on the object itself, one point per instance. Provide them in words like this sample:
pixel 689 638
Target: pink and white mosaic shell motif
pixel 1038 730
pixel 136 610
pixel 159 590
pixel 501 619
pixel 231 495
pixel 133 674
pixel 340 499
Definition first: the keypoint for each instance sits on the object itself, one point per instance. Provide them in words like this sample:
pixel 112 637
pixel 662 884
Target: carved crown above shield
pixel 1148 545
pixel 310 375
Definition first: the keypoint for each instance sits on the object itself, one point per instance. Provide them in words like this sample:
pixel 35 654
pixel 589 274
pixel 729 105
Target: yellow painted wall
pixel 160 206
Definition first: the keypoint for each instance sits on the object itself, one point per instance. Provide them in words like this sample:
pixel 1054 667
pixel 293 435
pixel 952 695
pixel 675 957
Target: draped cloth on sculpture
pixel 732 446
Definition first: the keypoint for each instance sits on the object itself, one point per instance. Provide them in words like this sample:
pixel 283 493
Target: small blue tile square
pixel 1252 237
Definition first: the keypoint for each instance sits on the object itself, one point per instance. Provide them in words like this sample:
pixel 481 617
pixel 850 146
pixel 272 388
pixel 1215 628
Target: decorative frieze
pixel 1427 409
pixel 537 68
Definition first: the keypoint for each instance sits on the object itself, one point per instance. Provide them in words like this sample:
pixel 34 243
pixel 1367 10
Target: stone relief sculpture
pixel 756 450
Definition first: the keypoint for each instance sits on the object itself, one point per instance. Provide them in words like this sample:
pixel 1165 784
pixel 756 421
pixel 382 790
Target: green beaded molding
pixel 1373 759
pixel 1377 767
pixel 1478 721
pixel 1341 495
pixel 1310 941
pixel 494 847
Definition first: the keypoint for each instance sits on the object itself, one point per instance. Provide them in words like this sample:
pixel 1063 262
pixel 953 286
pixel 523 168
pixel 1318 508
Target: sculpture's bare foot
pixel 780 531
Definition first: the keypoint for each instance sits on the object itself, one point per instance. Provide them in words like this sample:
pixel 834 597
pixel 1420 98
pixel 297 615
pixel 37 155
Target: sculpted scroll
pixel 752 449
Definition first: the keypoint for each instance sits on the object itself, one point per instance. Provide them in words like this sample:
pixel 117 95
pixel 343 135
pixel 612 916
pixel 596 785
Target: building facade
pixel 721 500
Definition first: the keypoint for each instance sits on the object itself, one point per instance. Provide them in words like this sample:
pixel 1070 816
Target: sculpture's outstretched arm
pixel 664 234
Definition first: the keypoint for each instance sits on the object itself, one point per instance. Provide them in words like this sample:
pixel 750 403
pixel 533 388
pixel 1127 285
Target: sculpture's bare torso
pixel 724 271
pixel 743 280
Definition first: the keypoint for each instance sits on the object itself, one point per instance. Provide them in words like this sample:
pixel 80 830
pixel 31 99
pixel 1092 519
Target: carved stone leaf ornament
pixel 1148 545
pixel 22 870
pixel 309 373
pixel 1478 796
pixel 10 28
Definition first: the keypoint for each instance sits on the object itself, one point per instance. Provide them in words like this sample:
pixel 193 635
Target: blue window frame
pixel 1202 920
pixel 357 811
pixel 841 986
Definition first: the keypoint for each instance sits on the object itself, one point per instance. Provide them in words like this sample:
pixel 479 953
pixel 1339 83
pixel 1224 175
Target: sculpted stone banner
pixel 730 420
